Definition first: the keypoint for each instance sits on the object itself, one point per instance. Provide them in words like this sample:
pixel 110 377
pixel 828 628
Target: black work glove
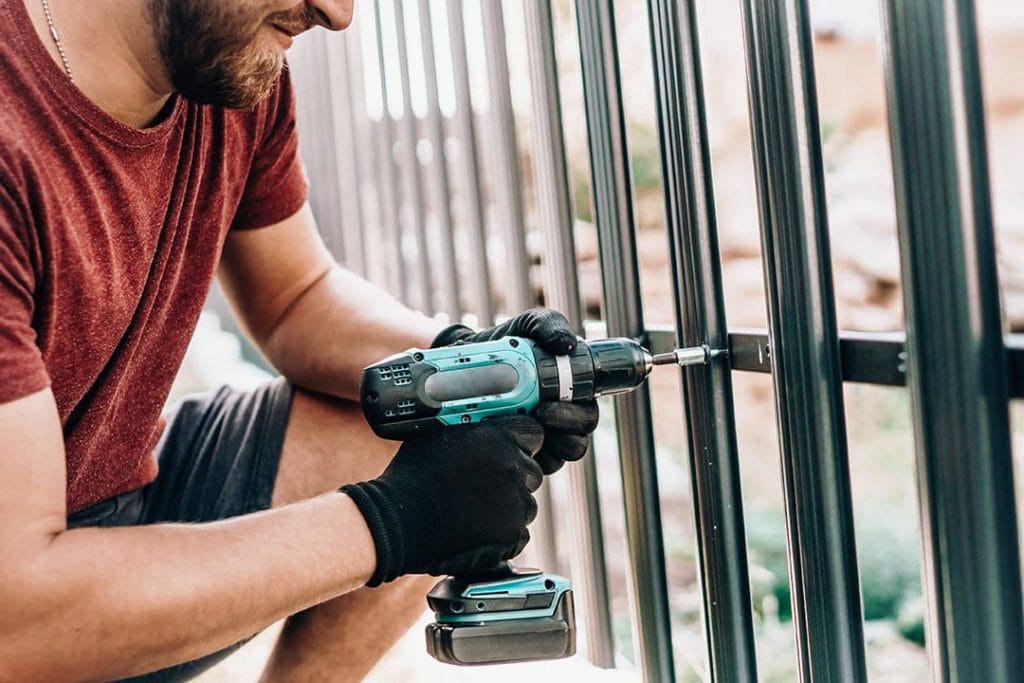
pixel 548 328
pixel 453 501
pixel 566 425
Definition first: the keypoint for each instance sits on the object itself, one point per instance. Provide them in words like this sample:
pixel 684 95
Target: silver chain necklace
pixel 56 40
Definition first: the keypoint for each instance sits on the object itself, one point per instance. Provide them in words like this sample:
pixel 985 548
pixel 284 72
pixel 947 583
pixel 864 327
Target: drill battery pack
pixel 528 616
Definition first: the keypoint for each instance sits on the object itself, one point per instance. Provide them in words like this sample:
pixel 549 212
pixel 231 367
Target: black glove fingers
pixel 575 418
pixel 532 473
pixel 453 334
pixel 568 447
pixel 525 432
pixel 524 539
pixel 550 329
pixel 529 509
pixel 548 463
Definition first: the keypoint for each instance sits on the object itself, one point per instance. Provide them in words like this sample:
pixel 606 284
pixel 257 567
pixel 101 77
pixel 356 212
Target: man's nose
pixel 333 15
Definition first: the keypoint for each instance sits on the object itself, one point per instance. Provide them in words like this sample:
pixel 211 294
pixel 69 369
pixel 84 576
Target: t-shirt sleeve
pixel 277 186
pixel 22 371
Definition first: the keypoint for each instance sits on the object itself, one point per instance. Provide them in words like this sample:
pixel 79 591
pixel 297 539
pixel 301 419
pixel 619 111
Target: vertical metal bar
pixel 344 83
pixel 439 171
pixel 700 319
pixel 368 161
pixel 804 343
pixel 507 185
pixel 472 197
pixel 394 260
pixel 508 199
pixel 411 171
pixel 318 142
pixel 613 212
pixel 555 207
pixel 957 371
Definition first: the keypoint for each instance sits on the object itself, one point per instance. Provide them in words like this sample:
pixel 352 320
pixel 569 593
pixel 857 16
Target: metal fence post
pixel 384 139
pixel 412 171
pixel 507 189
pixel 805 356
pixel 346 65
pixel 700 319
pixel 315 111
pixel 472 198
pixel 438 176
pixel 613 213
pixel 957 362
pixel 562 289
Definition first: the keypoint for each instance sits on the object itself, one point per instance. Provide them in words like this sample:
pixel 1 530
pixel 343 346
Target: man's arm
pixel 120 601
pixel 318 324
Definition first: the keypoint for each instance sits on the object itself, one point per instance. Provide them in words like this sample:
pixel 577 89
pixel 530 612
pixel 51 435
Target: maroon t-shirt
pixel 109 239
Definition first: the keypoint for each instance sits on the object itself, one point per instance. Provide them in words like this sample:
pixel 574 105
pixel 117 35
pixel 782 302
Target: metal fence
pixel 418 183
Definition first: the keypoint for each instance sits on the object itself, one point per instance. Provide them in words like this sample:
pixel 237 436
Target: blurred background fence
pixel 830 191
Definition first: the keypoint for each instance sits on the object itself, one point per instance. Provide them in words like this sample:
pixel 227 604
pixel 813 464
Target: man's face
pixel 230 52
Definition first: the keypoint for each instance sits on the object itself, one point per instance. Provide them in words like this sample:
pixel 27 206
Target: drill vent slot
pixel 396 372
pixel 406 407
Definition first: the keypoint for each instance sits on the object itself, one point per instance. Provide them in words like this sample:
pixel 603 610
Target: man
pixel 144 146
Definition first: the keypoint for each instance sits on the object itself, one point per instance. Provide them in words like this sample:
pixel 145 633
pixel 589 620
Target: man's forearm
pixel 120 601
pixel 339 326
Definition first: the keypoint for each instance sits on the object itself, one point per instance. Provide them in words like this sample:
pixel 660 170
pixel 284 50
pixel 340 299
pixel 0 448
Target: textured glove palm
pixel 454 501
pixel 566 425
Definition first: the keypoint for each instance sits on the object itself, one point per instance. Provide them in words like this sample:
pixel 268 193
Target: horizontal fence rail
pixel 867 357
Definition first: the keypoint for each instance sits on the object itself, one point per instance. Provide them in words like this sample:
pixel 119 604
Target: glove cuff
pixel 403 525
pixel 453 334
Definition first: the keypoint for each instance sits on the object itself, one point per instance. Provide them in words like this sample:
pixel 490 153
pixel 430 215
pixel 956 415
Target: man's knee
pixel 327 444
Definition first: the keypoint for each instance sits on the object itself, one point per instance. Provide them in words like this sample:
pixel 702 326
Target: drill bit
pixel 691 355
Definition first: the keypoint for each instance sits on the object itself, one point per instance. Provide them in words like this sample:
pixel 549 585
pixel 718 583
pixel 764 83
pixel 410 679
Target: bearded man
pixel 145 146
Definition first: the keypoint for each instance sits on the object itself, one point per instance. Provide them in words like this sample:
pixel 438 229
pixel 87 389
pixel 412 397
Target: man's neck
pixel 112 53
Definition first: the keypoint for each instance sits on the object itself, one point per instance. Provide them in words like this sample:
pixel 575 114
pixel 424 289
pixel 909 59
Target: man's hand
pixel 567 426
pixel 453 501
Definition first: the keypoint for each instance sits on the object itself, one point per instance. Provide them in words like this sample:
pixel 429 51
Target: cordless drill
pixel 516 614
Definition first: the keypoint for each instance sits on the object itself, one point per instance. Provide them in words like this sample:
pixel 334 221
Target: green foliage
pixel 829 127
pixel 911 621
pixel 887 553
pixel 581 197
pixel 622 634
pixel 766 541
pixel 644 158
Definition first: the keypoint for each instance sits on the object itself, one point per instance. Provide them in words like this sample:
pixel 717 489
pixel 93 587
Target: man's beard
pixel 212 49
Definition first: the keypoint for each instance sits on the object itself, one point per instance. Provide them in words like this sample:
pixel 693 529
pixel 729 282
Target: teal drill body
pixel 422 389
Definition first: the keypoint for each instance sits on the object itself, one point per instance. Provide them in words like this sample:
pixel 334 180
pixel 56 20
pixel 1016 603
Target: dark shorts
pixel 218 458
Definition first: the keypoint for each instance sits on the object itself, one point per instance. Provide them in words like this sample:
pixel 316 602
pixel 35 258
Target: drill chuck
pixel 595 368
